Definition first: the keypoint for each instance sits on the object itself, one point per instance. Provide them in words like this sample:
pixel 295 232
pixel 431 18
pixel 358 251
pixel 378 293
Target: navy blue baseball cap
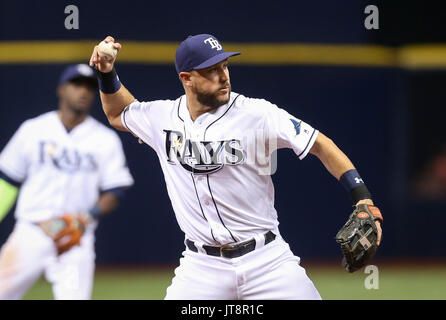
pixel 199 52
pixel 77 71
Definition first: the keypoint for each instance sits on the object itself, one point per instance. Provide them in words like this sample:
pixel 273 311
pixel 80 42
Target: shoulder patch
pixel 296 126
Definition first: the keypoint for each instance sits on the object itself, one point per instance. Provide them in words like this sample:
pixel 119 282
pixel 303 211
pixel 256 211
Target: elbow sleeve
pixel 8 195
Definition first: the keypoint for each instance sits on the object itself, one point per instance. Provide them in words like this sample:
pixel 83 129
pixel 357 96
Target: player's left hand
pixel 359 235
pixel 377 222
pixel 66 231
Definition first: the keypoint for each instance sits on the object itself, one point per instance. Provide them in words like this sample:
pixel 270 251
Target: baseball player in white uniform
pixel 61 163
pixel 214 147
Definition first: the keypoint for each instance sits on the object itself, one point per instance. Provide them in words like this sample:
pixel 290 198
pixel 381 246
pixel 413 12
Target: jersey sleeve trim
pixel 118 192
pixel 10 180
pixel 118 183
pixel 123 119
pixel 310 143
pixel 12 176
pixel 124 122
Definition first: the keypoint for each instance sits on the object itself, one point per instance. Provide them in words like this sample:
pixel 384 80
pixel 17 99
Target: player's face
pixel 212 85
pixel 78 95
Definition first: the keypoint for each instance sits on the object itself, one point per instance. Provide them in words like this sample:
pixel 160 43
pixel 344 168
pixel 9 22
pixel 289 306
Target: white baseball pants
pixel 29 252
pixel 271 272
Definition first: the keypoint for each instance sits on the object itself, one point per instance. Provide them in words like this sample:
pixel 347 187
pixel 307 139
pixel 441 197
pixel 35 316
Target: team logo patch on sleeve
pixel 296 126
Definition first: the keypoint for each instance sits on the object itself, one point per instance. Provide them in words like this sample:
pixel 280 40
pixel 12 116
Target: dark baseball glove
pixel 66 231
pixel 358 237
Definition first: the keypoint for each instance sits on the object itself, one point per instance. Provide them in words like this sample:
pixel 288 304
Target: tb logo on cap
pixel 214 43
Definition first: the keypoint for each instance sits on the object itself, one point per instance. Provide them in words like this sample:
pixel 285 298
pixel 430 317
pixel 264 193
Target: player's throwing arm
pixel 361 235
pixel 114 96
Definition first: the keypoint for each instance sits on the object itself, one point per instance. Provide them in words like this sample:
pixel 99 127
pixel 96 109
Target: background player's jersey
pixel 60 171
pixel 216 168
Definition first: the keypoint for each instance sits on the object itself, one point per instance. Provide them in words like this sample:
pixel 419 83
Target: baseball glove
pixel 358 237
pixel 66 231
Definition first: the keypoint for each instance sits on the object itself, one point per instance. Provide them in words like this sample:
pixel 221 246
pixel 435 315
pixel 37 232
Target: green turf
pixel 118 284
pixel 394 283
pixel 332 282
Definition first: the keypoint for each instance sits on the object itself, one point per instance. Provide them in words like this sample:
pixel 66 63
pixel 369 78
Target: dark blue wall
pixel 284 21
pixel 362 109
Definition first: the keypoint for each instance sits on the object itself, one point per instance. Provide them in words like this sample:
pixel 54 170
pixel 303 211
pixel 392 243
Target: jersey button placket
pixel 203 198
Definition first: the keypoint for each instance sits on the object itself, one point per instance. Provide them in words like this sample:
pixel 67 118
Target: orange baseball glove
pixel 66 231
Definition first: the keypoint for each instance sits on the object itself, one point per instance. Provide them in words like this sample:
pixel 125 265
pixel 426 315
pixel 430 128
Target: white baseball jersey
pixel 214 167
pixel 63 172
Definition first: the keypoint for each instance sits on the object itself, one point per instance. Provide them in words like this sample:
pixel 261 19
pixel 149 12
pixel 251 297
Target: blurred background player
pixel 64 164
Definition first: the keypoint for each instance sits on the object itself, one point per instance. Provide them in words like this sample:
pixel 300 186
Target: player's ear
pixel 185 78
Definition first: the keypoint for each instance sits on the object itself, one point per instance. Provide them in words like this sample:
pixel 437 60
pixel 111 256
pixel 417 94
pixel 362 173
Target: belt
pixel 231 251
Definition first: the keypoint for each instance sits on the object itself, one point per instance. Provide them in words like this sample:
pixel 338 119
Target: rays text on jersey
pixel 202 157
pixel 64 159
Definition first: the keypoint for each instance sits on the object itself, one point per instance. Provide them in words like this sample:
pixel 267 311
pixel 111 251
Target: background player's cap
pixel 199 52
pixel 77 71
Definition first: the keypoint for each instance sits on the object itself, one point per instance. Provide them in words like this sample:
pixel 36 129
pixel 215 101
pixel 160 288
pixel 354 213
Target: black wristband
pixel 108 82
pixel 360 193
pixel 354 185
